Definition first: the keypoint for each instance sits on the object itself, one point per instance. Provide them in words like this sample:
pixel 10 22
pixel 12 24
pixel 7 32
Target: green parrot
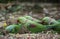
pixel 13 28
pixel 49 20
pixel 54 23
pixel 32 19
pixel 32 25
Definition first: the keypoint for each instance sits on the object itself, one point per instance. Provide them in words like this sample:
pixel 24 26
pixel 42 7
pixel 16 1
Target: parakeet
pixel 13 28
pixel 55 25
pixel 49 20
pixel 32 25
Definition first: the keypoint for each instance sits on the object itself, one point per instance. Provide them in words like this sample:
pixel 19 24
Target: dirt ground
pixel 31 36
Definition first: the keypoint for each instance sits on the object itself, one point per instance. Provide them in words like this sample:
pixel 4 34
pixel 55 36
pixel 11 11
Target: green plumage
pixel 55 23
pixel 13 28
pixel 32 25
pixel 38 27
pixel 32 19
pixel 57 27
pixel 49 20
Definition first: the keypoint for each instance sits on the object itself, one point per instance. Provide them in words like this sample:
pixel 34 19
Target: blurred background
pixel 10 10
